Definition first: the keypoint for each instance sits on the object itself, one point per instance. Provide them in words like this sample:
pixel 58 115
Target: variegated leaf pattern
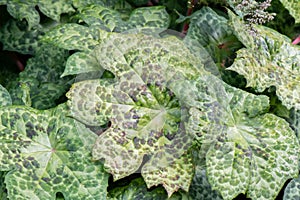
pixel 293 7
pixel 46 153
pixel 246 149
pixel 146 119
pixel 269 59
pixel 27 9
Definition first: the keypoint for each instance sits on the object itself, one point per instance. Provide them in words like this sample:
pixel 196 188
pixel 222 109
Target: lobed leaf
pixel 293 7
pixel 27 9
pixel 269 60
pixel 246 149
pixel 47 153
pixel 145 116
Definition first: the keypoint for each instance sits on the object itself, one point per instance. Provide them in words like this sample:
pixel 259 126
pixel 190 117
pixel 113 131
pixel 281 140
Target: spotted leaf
pixel 146 119
pixel 269 59
pixel 246 149
pixel 46 153
pixel 27 9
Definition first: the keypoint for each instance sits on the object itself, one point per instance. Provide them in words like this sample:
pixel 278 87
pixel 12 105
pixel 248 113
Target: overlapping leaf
pixel 137 189
pixel 111 20
pixel 46 153
pixel 213 33
pixel 26 9
pixel 15 37
pixel 145 116
pixel 40 85
pixel 246 149
pixel 269 60
pixel 293 6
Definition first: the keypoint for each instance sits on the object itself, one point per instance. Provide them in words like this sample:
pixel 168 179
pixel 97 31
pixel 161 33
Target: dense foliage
pixel 143 99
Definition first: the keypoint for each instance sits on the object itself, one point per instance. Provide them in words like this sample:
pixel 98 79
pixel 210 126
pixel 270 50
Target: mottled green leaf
pixel 293 6
pixel 214 34
pixel 40 84
pixel 246 149
pixel 82 62
pixel 27 9
pixel 15 37
pixel 137 189
pixel 269 59
pixel 145 115
pixel 111 20
pixel 200 187
pixel 5 99
pixel 46 153
pixel 74 37
pixel 292 190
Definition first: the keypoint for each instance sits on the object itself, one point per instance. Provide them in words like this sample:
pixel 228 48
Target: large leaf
pixel 145 116
pixel 246 149
pixel 47 153
pixel 27 9
pixel 293 6
pixel 292 190
pixel 269 60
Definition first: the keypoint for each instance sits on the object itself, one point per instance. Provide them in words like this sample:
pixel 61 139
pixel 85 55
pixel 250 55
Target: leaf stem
pixel 297 40
pixel 191 5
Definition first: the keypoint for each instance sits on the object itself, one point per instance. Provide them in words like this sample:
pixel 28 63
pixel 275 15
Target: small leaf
pixel 82 62
pixel 246 149
pixel 5 99
pixel 46 158
pixel 293 7
pixel 269 60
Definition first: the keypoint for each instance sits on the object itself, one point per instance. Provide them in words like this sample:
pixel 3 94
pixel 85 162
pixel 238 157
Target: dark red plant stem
pixel 297 40
pixel 191 6
pixel 17 61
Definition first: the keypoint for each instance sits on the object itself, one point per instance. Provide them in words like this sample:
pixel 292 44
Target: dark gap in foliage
pixel 59 195
pixel 121 182
pixel 98 130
